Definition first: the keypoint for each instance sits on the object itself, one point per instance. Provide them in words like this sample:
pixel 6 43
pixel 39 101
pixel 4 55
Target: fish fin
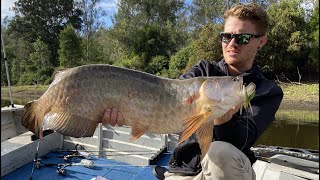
pixel 205 135
pixel 193 123
pixel 32 119
pixel 136 132
pixel 69 125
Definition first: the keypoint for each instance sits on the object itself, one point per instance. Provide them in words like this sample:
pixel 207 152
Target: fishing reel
pixel 85 163
pixel 61 169
pixel 38 163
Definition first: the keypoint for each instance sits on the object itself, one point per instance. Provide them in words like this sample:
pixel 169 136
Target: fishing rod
pixel 86 153
pixel 111 151
pixel 7 70
pixel 88 164
pixel 61 166
pixel 36 161
pixel 88 156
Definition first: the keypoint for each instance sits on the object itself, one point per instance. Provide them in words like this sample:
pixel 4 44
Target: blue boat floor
pixel 108 168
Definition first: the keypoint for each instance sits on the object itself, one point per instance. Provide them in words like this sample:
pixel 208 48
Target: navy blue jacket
pixel 243 130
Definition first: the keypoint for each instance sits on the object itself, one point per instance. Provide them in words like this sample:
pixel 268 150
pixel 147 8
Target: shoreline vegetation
pixel 296 96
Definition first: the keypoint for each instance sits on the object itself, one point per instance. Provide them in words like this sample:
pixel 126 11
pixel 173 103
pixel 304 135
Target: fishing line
pixel 247 120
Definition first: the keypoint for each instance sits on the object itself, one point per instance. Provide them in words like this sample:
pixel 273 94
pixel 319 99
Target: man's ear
pixel 263 41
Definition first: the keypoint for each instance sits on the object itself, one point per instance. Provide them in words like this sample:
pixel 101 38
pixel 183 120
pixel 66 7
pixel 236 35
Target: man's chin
pixel 232 61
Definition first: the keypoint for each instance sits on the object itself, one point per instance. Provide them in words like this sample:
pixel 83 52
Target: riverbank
pixel 304 96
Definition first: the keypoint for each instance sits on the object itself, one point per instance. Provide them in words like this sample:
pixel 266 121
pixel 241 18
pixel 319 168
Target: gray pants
pixel 223 161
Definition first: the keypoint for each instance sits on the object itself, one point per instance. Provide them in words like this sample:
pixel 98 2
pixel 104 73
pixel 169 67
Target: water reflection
pixel 292 128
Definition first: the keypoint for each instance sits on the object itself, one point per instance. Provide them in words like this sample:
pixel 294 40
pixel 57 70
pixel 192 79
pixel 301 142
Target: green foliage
pixel 287 39
pixel 40 64
pixel 164 37
pixel 17 52
pixel 208 45
pixel 179 61
pixel 92 51
pixel 70 52
pixel 157 64
pixel 132 61
pixel 206 11
pixel 44 20
pixel 314 37
pixel 147 29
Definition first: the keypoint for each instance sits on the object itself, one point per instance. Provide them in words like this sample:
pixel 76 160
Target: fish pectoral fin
pixel 205 135
pixel 69 124
pixel 193 123
pixel 136 132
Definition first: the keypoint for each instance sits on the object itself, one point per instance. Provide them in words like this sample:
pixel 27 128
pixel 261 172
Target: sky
pixel 109 6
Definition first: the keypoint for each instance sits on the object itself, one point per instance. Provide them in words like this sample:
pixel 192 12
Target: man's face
pixel 240 57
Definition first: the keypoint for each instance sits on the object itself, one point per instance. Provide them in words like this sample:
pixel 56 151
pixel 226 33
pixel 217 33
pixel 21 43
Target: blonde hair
pixel 252 12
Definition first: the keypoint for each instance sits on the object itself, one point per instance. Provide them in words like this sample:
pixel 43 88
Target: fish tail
pixel 31 119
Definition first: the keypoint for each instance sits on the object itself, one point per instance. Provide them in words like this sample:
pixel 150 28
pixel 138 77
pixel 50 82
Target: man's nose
pixel 233 42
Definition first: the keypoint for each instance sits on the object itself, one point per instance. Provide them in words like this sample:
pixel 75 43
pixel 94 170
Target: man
pixel 229 156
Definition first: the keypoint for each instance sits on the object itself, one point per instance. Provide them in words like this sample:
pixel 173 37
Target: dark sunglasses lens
pixel 225 37
pixel 242 38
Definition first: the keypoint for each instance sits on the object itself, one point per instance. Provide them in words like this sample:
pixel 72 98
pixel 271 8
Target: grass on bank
pixel 309 91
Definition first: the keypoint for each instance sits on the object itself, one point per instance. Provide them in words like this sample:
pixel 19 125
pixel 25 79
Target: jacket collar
pixel 254 74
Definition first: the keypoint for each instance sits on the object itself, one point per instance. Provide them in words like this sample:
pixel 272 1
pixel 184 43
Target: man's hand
pixel 112 117
pixel 226 117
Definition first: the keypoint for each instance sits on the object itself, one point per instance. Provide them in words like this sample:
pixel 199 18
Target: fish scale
pixel 74 103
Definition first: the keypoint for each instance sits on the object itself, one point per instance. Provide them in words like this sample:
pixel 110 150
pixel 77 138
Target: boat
pixel 109 154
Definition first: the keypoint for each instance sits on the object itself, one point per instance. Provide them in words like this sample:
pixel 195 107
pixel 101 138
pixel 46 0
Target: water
pixel 292 128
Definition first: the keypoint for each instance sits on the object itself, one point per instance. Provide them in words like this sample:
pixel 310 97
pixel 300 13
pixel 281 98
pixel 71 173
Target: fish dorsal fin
pixel 69 125
pixel 58 75
pixel 193 123
pixel 137 131
pixel 204 135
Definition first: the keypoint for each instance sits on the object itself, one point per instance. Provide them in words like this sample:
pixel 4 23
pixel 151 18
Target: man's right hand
pixel 227 117
pixel 113 117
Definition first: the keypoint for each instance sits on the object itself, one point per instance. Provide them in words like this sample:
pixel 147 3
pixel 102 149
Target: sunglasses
pixel 240 38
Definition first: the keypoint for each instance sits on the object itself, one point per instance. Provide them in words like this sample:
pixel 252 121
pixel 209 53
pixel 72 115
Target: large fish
pixel 75 101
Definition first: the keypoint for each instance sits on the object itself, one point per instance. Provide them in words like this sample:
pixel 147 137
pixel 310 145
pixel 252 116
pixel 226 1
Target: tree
pixel 208 45
pixel 146 29
pixel 179 61
pixel 17 52
pixel 206 11
pixel 314 39
pixel 44 19
pixel 91 23
pixel 70 52
pixel 287 43
pixel 40 63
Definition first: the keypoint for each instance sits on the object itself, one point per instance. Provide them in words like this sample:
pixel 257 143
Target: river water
pixel 292 128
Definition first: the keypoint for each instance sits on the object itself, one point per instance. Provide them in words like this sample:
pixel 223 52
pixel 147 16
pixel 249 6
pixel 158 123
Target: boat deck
pixel 18 152
pixel 107 168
